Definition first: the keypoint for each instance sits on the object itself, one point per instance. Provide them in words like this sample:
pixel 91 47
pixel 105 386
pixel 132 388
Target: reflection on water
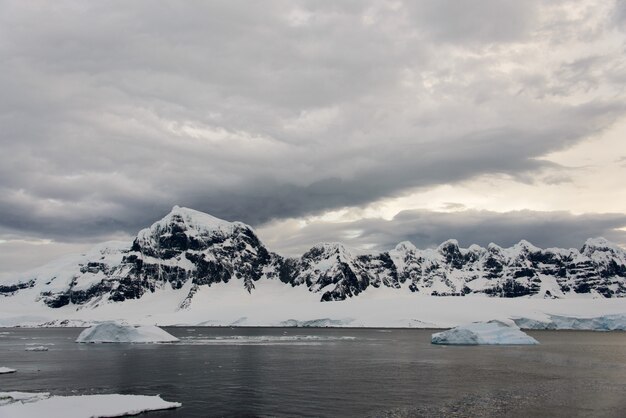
pixel 331 372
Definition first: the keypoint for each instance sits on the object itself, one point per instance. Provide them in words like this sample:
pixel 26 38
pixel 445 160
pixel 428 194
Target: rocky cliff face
pixel 184 247
pixel 188 249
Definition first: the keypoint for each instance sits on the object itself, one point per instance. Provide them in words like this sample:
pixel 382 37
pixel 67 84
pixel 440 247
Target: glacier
pixel 559 322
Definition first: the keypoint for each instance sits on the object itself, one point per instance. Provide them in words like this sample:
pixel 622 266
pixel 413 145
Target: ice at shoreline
pixel 275 305
pixel 558 322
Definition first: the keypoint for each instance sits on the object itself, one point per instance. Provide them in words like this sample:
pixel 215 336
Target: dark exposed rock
pixel 56 300
pixel 12 288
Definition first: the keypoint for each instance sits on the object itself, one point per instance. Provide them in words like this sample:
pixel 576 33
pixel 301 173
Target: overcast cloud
pixel 112 112
pixel 427 229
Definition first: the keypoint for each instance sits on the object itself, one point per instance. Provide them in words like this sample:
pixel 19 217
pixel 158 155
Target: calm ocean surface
pixel 331 372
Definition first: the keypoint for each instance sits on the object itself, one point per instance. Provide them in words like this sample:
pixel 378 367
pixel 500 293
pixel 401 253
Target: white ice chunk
pixel 115 332
pixel 23 405
pixel 36 348
pixel 479 333
pixel 5 370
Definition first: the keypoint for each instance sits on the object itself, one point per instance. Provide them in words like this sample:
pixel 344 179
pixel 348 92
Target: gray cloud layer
pixel 429 229
pixel 112 112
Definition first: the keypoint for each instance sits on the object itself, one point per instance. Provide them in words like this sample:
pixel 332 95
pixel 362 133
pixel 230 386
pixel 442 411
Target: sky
pixel 363 122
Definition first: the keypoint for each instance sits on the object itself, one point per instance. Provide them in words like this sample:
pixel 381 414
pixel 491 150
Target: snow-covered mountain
pixel 187 250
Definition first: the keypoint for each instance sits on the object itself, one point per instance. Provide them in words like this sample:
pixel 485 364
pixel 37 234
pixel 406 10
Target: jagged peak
pixel 337 248
pixel 191 220
pixel 330 247
pixel 494 248
pixel 522 248
pixel 599 244
pixel 526 244
pixel 405 246
pixel 475 248
pixel 195 217
pixel 447 244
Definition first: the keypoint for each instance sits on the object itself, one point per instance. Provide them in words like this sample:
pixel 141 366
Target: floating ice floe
pixel 5 370
pixel 25 404
pixel 115 332
pixel 36 348
pixel 487 333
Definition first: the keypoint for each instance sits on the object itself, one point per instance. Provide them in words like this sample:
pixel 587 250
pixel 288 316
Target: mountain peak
pixel 448 245
pixel 188 221
pixel 406 246
pixel 599 244
pixel 526 244
pixel 331 247
pixel 193 219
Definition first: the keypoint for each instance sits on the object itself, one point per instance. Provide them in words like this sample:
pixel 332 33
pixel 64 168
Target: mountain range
pixel 188 246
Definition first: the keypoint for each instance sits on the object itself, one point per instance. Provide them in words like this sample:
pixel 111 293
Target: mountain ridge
pixel 190 249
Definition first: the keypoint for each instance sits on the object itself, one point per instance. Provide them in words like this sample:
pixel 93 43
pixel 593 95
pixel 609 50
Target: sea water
pixel 330 372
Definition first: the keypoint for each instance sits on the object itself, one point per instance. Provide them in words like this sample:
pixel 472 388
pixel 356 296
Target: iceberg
pixel 483 333
pixel 5 370
pixel 115 332
pixel 24 404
